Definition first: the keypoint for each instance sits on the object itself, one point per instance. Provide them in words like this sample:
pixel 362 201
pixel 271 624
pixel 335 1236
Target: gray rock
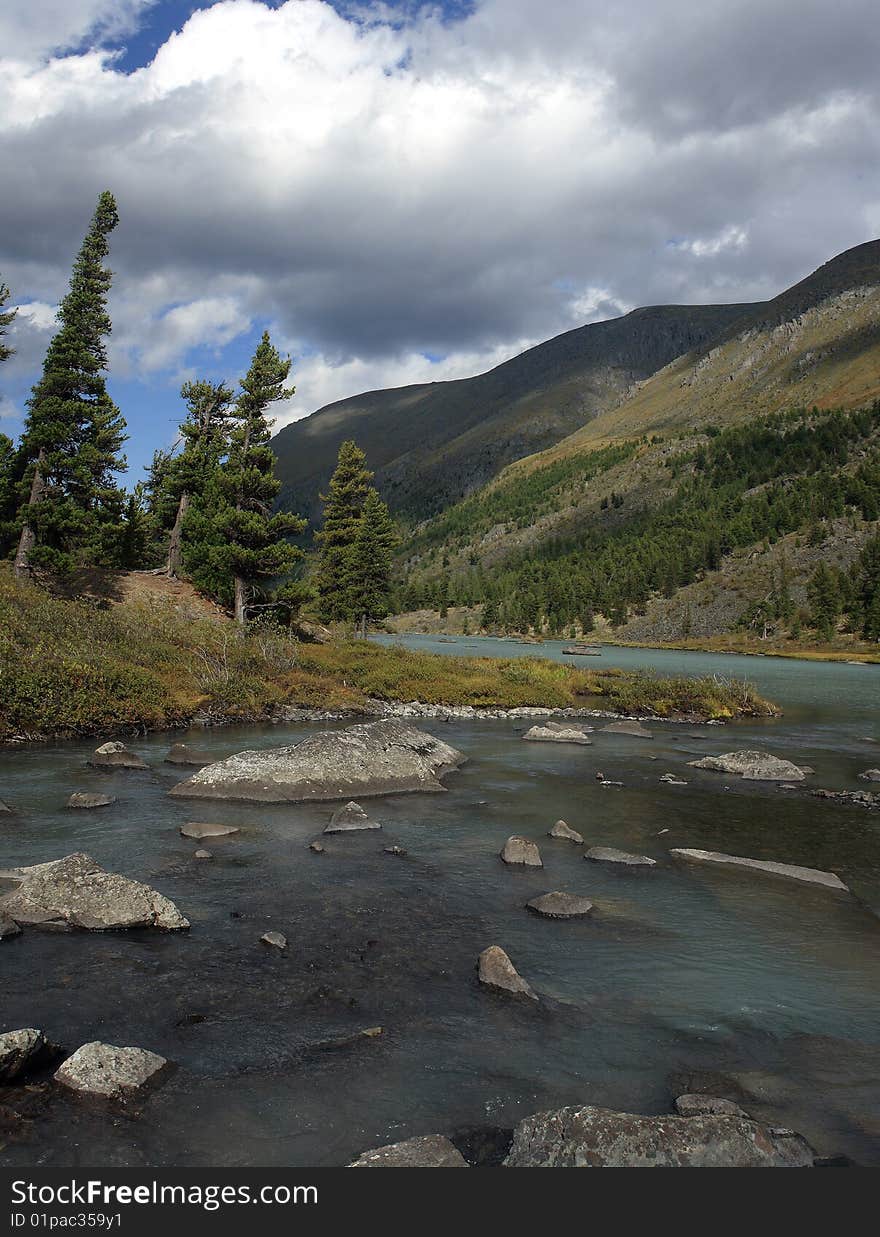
pixel 557 734
pixel 181 754
pixel 558 905
pixel 76 892
pixel 203 854
pixel 589 1137
pixel 86 799
pixel 394 850
pixel 562 830
pixel 376 758
pixel 116 756
pixel 429 1151
pixel 753 766
pixel 105 1070
pixel 351 818
pixel 5 809
pixel 19 1050
pixel 495 970
pixel 276 939
pixel 634 729
pixel 610 854
pixel 316 847
pixel 807 876
pixel 198 829
pixel 870 775
pixel 569 725
pixel 521 851
pixel 8 927
pixel 671 780
pixel 707 1105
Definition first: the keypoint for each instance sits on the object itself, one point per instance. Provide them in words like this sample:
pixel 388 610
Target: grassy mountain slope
pixel 431 444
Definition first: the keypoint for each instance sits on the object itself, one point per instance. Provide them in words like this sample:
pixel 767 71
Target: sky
pixel 408 192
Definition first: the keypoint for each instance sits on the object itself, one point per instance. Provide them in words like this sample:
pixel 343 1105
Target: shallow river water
pixel 680 971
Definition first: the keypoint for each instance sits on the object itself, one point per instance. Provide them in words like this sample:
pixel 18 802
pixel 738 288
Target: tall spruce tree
pixel 371 558
pixel 256 550
pixel 74 431
pixel 6 317
pixel 343 506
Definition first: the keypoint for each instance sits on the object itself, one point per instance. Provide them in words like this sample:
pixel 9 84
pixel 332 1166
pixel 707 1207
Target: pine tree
pixel 74 431
pixel 824 594
pixel 6 317
pixel 371 559
pixel 256 549
pixel 343 505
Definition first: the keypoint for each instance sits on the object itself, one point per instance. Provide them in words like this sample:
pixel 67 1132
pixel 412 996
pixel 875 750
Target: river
pixel 680 971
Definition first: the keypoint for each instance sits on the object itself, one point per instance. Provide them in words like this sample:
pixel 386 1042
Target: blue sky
pixel 413 192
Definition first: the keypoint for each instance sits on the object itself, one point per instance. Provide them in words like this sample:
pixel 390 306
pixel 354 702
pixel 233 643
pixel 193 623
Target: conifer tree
pixel 6 317
pixel 74 431
pixel 256 548
pixel 371 559
pixel 824 594
pixel 343 506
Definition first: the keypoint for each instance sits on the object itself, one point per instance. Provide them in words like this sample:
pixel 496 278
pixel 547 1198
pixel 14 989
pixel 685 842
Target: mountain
pixel 430 444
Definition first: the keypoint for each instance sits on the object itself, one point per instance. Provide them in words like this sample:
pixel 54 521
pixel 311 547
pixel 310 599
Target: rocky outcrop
pixel 429 1151
pixel 105 1070
pixel 86 799
pixel 752 766
pixel 610 854
pixel 855 798
pixel 559 905
pixel 351 818
pixel 116 756
pixel 589 1137
pixel 495 970
pixel 707 1105
pixel 521 851
pixel 76 892
pixel 790 871
pixel 19 1050
pixel 562 830
pixel 635 730
pixel 376 758
pixel 198 829
pixel 182 754
pixel 553 734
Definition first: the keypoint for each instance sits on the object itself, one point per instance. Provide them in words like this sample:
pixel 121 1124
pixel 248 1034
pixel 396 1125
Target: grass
pixel 74 667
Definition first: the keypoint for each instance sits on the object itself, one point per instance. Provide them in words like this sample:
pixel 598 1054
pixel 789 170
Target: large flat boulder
pixel 429 1151
pixel 558 905
pixel 791 871
pixel 85 799
pixel 376 758
pixel 105 1070
pixel 557 734
pixel 753 766
pixel 76 892
pixel 589 1137
pixel 611 854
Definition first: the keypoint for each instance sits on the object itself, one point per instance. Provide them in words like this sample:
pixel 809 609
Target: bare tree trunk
pixel 175 553
pixel 28 539
pixel 240 602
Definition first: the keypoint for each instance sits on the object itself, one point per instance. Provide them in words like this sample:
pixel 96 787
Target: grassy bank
pixel 71 667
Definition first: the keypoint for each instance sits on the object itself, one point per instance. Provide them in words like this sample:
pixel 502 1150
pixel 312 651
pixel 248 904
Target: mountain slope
pixel 433 443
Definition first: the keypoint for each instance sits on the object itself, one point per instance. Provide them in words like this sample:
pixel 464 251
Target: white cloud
pixel 732 237
pixel 31 29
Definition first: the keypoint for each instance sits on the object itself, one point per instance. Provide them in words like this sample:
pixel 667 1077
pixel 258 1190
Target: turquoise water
pixel 775 986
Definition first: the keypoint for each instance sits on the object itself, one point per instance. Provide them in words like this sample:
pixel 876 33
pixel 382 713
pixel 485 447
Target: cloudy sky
pixel 406 191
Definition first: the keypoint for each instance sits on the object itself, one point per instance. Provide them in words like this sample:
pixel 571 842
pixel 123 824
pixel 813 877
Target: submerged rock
pixel 76 892
pixel 182 754
pixel 86 799
pixel 559 905
pixel 870 775
pixel 707 1105
pixel 116 756
pixel 203 854
pixel 521 851
pixel 857 798
pixel 807 876
pixel 429 1151
pixel 562 830
pixel 104 1069
pixel 198 829
pixel 19 1050
pixel 375 758
pixel 610 854
pixel 351 818
pixel 316 847
pixel 634 729
pixel 5 809
pixel 8 927
pixel 589 1137
pixel 671 780
pixel 276 939
pixel 495 970
pixel 557 734
pixel 394 850
pixel 752 766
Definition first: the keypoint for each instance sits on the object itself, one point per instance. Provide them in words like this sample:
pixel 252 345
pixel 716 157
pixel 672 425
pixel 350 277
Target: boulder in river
pixel 115 756
pixel 203 854
pixel 752 766
pixel 554 734
pixel 8 927
pixel 589 1137
pixel 634 729
pixel 559 905
pixel 707 1105
pixel 790 871
pixel 521 851
pixel 495 970
pixel 76 892
pixel 316 847
pixel 562 830
pixel 89 799
pixel 105 1070
pixel 351 818
pixel 19 1050
pixel 5 809
pixel 610 854
pixel 429 1151
pixel 183 754
pixel 375 758
pixel 277 940
pixel 669 779
pixel 198 829
pixel 870 775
